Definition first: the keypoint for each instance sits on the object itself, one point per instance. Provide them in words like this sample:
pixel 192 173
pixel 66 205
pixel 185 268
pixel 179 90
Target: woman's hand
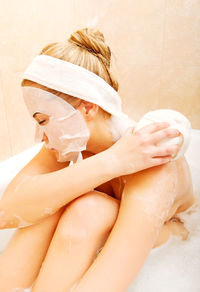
pixel 136 151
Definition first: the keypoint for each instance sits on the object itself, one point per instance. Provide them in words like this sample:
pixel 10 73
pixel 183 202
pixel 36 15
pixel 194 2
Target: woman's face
pixel 43 119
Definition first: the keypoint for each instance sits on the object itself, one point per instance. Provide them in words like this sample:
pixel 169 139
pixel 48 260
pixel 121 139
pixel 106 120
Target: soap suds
pixel 119 125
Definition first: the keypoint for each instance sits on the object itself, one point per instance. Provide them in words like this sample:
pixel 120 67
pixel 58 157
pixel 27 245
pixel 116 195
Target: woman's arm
pixel 40 195
pixel 146 201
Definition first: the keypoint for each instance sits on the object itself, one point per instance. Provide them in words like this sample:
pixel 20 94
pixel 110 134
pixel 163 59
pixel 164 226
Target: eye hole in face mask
pixel 41 118
pixel 41 122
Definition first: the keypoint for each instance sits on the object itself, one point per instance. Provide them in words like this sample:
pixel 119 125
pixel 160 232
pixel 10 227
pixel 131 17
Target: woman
pixel 68 213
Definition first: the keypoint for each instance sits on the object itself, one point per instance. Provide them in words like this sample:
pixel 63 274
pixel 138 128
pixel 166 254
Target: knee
pixel 96 210
pixel 90 214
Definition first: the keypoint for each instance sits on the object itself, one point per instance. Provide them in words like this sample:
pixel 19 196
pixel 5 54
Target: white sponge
pixel 176 120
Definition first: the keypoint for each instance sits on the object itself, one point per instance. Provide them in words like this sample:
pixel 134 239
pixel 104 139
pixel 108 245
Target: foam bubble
pixel 118 125
pixel 177 262
pixel 157 202
pixel 21 290
pixel 48 211
pixel 22 222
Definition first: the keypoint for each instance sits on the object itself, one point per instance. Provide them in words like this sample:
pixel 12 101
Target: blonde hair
pixel 86 48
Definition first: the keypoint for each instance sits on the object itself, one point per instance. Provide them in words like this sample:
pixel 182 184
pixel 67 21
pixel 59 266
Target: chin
pixel 55 153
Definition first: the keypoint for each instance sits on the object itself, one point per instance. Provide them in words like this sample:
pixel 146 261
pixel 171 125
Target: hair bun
pixel 93 41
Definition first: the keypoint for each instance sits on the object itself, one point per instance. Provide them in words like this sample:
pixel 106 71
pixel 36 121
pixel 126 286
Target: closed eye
pixel 38 117
pixel 41 122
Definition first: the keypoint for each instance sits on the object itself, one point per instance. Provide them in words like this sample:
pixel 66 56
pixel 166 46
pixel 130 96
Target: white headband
pixel 74 80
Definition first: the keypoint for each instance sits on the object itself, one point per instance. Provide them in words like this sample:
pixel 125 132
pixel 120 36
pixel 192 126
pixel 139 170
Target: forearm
pixel 43 194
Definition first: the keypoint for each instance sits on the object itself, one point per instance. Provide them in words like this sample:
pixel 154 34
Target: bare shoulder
pixel 171 177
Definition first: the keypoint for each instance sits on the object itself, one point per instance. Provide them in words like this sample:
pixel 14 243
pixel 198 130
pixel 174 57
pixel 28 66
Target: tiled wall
pixel 155 45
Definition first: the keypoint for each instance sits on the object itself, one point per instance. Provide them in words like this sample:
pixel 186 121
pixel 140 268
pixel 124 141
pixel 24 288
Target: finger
pixel 166 151
pixel 161 160
pixel 163 134
pixel 153 127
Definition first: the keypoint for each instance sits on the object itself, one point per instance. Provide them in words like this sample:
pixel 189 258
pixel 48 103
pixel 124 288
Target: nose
pixel 45 138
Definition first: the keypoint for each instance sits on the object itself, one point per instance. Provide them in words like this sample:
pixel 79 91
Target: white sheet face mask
pixel 66 129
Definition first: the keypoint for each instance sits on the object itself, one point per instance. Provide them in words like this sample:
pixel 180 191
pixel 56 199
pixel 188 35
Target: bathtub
pixel 9 168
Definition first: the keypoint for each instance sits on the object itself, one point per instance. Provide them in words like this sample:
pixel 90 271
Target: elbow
pixel 6 219
pixel 3 218
pixel 9 219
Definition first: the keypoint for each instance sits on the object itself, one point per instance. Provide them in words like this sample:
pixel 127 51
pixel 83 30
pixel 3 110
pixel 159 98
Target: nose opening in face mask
pixel 45 138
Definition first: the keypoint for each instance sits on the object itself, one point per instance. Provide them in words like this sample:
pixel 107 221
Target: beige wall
pixel 155 45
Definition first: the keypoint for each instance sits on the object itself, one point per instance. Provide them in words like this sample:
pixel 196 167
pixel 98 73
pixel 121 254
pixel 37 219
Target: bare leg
pixel 82 229
pixel 147 199
pixel 21 260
